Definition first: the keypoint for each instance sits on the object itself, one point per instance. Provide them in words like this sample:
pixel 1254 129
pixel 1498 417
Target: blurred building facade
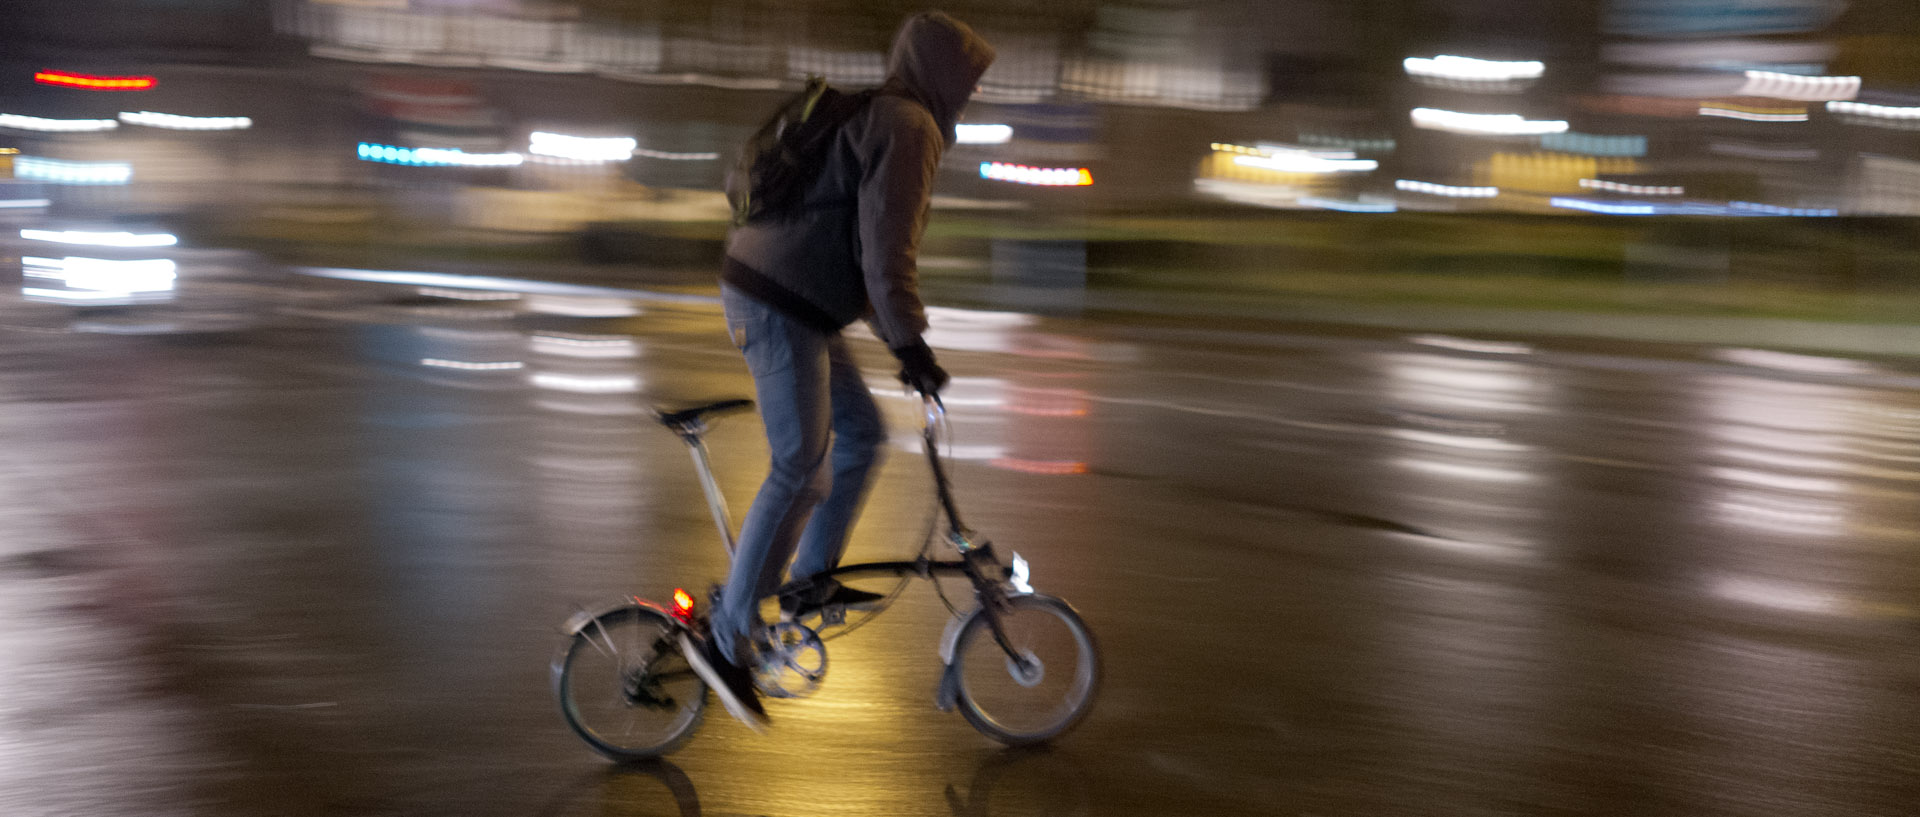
pixel 1614 107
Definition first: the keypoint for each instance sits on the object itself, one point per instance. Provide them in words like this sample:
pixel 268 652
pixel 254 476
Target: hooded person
pixel 790 284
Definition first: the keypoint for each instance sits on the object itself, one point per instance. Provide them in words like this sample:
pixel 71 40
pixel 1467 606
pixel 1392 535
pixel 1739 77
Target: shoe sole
pixel 738 710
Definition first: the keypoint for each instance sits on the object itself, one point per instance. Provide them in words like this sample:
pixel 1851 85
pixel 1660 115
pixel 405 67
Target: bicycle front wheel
pixel 624 686
pixel 1036 685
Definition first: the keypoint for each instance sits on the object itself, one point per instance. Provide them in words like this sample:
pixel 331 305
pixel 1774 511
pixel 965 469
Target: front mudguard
pixel 947 695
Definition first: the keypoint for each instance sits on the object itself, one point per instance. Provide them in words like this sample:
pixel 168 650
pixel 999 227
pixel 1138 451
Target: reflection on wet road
pixel 315 564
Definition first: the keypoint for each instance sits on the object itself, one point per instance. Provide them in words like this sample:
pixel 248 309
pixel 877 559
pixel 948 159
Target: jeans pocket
pixel 759 339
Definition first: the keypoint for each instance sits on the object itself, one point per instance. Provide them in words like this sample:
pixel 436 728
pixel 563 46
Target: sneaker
pixel 730 681
pixel 840 595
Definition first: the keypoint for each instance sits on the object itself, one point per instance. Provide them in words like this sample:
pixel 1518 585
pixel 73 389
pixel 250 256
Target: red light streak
pixel 93 83
pixel 1049 468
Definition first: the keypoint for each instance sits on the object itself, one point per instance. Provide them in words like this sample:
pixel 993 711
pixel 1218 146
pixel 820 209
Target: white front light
pixel 1020 574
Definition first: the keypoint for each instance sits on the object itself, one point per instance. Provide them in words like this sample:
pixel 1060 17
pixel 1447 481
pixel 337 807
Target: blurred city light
pixel 584 346
pixel 1047 176
pixel 1594 144
pixel 65 172
pixel 1754 208
pixel 35 123
pixel 98 280
pixel 1364 205
pixel 474 366
pixel 1449 191
pixel 1801 88
pixel 432 157
pixel 1485 347
pixel 177 122
pixel 1873 111
pixel 467 294
pixel 586 384
pixel 1288 160
pixel 107 275
pixel 94 83
pixel 118 238
pixel 582 148
pixel 1633 189
pixel 1445 440
pixel 983 134
pixel 1751 114
pixel 1467 68
pixel 1503 124
pixel 1604 207
pixel 694 156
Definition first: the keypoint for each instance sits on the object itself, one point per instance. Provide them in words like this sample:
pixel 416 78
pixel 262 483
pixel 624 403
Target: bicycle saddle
pixel 688 417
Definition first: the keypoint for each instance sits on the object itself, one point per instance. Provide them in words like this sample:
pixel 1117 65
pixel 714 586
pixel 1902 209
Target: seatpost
pixel 716 501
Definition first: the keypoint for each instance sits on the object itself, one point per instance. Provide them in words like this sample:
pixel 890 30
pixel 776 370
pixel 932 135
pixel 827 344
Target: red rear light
pixel 682 603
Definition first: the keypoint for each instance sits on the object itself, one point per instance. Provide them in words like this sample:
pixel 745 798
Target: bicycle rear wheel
pixel 1040 689
pixel 625 688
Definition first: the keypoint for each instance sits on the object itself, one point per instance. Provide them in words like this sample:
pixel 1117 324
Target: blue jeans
pixel 825 435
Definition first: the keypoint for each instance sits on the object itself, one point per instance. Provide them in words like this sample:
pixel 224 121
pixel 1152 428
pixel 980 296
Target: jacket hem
pixel 761 288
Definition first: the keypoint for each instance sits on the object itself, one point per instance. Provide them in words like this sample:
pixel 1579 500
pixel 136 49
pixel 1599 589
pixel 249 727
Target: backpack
pixel 780 162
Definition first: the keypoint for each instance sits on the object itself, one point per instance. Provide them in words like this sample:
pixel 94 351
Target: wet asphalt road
pixel 308 555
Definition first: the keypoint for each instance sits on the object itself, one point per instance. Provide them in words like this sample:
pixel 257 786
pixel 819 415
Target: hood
pixel 938 60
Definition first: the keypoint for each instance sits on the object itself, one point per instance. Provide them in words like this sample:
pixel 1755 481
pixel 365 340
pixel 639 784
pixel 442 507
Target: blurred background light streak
pixel 983 134
pixel 1754 115
pixel 1800 88
pixel 1468 68
pixel 1873 111
pixel 90 82
pixel 1498 124
pixel 1449 191
pixel 117 238
pixel 1633 189
pixel 35 123
pixel 59 171
pixel 582 148
pixel 1045 176
pixel 177 122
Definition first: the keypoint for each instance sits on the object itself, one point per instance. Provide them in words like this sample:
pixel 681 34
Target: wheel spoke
pixel 609 697
pixel 1027 671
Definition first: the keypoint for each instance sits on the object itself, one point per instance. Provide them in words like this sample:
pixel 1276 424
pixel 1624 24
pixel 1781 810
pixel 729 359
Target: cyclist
pixel 789 286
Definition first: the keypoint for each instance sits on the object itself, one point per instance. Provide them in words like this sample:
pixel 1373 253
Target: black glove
pixel 918 370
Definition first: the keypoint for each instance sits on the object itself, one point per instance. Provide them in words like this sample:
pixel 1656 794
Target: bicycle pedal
pixel 830 616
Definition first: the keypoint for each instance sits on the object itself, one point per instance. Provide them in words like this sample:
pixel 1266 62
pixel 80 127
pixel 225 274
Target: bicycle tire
pixel 989 685
pixel 627 661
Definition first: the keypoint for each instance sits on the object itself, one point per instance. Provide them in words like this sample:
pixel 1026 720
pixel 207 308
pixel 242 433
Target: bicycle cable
pixel 944 430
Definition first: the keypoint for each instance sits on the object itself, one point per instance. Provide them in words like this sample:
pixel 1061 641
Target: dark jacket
pixel 852 252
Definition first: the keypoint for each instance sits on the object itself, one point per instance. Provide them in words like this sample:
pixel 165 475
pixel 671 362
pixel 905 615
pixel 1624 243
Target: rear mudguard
pixel 587 615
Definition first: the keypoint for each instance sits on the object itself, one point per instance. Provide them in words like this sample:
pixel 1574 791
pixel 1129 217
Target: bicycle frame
pixel 977 560
pixel 793 650
pixel 695 439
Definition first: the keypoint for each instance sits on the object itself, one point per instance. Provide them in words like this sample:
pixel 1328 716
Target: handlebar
pixel 936 411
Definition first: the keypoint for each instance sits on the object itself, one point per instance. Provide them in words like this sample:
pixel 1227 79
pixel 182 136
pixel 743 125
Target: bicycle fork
pixel 992 598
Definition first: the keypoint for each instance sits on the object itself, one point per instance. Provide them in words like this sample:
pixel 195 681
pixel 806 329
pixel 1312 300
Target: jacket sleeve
pixel 896 187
